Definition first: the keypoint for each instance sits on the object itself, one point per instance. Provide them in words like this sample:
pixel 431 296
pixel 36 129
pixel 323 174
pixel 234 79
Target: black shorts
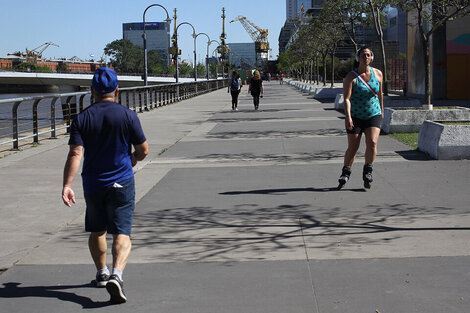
pixel 361 125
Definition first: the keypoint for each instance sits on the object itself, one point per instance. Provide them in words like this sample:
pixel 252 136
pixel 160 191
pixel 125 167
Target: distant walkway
pixel 238 212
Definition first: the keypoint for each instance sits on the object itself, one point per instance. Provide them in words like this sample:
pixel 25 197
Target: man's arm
pixel 141 151
pixel 70 170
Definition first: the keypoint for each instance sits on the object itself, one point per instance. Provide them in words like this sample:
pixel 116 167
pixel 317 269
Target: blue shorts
pixel 111 209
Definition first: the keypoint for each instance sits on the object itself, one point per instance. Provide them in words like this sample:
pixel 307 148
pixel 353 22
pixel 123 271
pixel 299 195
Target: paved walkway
pixel 238 212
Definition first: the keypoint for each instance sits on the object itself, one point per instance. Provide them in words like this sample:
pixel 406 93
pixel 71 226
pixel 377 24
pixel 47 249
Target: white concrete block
pixel 444 142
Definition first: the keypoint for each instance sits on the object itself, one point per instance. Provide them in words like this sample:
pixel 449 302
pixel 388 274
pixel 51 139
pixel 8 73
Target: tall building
pixel 291 9
pixel 287 31
pixel 396 27
pixel 158 36
pixel 243 55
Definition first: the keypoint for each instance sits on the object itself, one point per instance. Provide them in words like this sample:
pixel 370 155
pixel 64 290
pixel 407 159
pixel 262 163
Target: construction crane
pixel 36 54
pixel 259 36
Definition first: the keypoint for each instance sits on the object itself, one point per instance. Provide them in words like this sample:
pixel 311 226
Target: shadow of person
pixel 13 290
pixel 281 191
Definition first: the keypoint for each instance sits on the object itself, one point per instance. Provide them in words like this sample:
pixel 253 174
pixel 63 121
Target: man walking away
pixel 105 133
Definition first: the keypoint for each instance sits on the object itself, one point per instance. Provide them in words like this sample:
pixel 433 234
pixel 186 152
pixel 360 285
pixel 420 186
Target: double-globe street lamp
pixel 176 53
pixel 207 52
pixel 144 36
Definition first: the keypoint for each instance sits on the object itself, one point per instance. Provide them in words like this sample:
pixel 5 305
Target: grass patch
pixel 411 139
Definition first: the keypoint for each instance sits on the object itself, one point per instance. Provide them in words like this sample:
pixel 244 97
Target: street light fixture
pixel 216 50
pixel 144 36
pixel 207 52
pixel 176 42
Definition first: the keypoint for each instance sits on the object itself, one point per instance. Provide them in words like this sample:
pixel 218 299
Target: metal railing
pixel 39 117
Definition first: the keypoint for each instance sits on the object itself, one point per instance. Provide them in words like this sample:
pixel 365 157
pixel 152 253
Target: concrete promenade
pixel 238 212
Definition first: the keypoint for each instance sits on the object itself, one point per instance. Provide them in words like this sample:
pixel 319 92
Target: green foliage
pixel 128 58
pixel 32 67
pixel 201 69
pixel 62 68
pixel 185 69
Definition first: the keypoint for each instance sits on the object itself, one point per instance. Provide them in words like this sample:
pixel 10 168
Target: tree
pixel 350 14
pixel 332 35
pixel 201 69
pixel 321 27
pixel 62 68
pixel 377 8
pixel 431 15
pixel 185 69
pixel 123 55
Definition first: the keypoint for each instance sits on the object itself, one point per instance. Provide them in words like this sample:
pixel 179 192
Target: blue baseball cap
pixel 104 80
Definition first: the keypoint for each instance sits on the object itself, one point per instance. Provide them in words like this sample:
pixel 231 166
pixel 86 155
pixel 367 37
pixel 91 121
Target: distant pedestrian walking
pixel 363 108
pixel 234 87
pixel 281 79
pixel 256 88
pixel 105 133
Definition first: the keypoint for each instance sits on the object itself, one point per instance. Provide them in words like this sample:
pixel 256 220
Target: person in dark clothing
pixel 234 87
pixel 256 88
pixel 104 133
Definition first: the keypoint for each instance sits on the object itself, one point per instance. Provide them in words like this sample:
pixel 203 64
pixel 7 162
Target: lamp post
pixel 216 49
pixel 176 38
pixel 207 52
pixel 144 36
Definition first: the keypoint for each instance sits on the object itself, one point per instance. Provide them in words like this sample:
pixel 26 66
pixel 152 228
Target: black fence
pixel 43 116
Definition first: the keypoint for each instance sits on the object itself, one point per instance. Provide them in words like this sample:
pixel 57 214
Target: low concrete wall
pixel 444 142
pixel 339 102
pixel 406 120
pixel 327 93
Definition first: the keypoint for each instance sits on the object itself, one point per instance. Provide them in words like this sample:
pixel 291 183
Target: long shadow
pixel 282 191
pixel 286 133
pixel 13 290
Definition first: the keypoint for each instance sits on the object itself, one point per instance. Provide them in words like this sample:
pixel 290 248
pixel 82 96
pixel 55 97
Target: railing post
pixel 70 111
pixel 53 125
pixel 82 97
pixel 140 102
pixel 14 115
pixel 35 121
pixel 133 100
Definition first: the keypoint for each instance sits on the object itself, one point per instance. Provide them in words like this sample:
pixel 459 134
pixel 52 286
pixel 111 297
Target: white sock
pixel 117 272
pixel 104 270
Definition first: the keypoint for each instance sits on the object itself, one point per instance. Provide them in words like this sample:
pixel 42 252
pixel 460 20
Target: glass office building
pixel 243 55
pixel 158 36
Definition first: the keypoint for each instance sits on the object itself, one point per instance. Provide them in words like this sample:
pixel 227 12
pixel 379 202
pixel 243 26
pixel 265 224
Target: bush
pixel 32 67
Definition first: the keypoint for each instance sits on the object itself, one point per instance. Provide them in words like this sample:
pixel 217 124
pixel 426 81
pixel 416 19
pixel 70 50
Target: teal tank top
pixel 364 103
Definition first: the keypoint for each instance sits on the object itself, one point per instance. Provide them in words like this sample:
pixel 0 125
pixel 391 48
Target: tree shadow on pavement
pixel 14 290
pixel 258 232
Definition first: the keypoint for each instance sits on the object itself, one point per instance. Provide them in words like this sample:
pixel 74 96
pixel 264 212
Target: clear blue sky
pixel 84 27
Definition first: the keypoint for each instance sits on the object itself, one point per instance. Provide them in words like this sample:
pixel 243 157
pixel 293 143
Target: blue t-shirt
pixel 364 103
pixel 107 131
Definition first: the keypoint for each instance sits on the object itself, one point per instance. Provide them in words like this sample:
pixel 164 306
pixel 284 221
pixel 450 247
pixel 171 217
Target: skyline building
pixel 158 36
pixel 291 9
pixel 243 55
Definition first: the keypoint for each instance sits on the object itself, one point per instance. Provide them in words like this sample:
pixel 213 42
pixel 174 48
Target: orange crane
pixel 36 54
pixel 259 36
